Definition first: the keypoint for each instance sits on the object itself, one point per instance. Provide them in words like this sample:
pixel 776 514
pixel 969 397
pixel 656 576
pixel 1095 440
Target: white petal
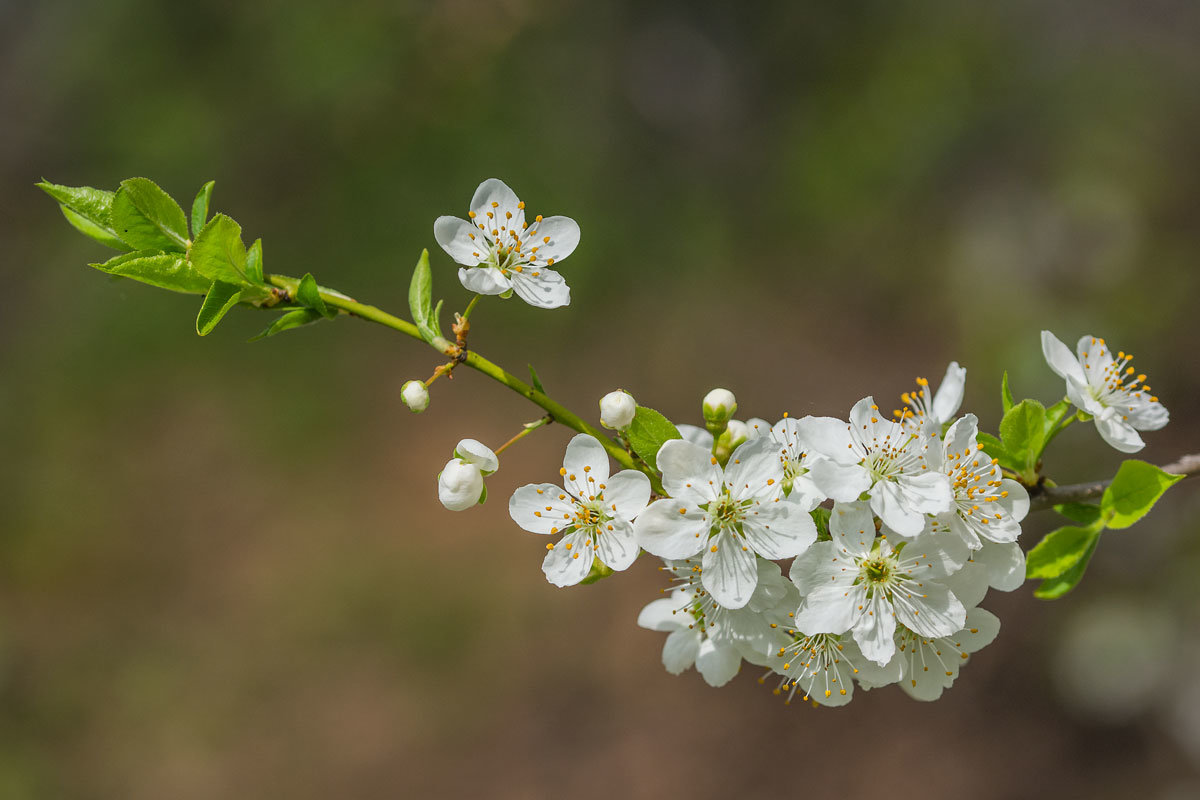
pixel 874 676
pixel 455 237
pixel 617 548
pixel 484 280
pixel 663 615
pixel 969 584
pixel 587 460
pixel 689 472
pixel 852 527
pixel 888 502
pixel 949 394
pixel 460 485
pixel 664 532
pixel 476 452
pixel 1146 414
pixel 780 530
pixel 819 566
pixel 936 612
pixel 718 664
pixel 758 427
pixel 680 649
pixel 829 437
pixel 696 435
pixel 961 437
pixel 567 567
pixel 627 493
pixel 563 233
pixel 875 630
pixel 1061 360
pixel 980 630
pixel 541 287
pixel 1118 433
pixel 1004 563
pixel 842 482
pixel 538 509
pixel 926 492
pixel 1017 502
pixel 495 198
pixel 754 470
pixel 830 609
pixel 729 570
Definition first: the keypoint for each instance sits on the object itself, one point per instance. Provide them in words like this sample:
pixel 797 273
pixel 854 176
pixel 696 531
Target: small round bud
pixel 736 432
pixel 719 406
pixel 460 485
pixel 415 395
pixel 617 410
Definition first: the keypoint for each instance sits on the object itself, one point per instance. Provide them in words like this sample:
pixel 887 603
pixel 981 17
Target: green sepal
pixel 220 298
pixel 1054 588
pixel 254 262
pixel 88 210
pixel 1060 550
pixel 200 208
pixel 146 218
pixel 1133 492
pixel 483 495
pixel 599 571
pixel 507 293
pixel 219 253
pixel 420 293
pixel 821 519
pixel 1006 395
pixel 292 319
pixel 309 294
pixel 648 432
pixel 164 270
pixel 537 382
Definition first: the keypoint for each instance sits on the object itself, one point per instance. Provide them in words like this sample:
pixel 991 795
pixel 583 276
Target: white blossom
pixel 592 511
pixel 729 514
pixel 929 665
pixel 501 252
pixel 1107 388
pixel 900 468
pixel 460 483
pixel 927 415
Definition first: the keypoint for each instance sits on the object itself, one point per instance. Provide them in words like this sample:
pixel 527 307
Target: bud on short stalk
pixel 617 410
pixel 719 407
pixel 736 432
pixel 415 395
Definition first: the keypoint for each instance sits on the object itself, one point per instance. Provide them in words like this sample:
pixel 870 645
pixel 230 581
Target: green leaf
pixel 599 571
pixel 164 270
pixel 1060 550
pixel 1006 396
pixel 821 518
pixel 994 448
pixel 309 294
pixel 292 319
pixel 648 432
pixel 88 210
pixel 420 291
pixel 1133 492
pixel 218 252
pixel 1083 513
pixel 1054 415
pixel 220 298
pixel 254 262
pixel 537 383
pixel 1023 433
pixel 200 207
pixel 145 217
pixel 1056 587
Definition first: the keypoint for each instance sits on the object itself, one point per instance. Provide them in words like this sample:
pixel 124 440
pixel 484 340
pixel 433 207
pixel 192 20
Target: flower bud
pixel 475 452
pixel 736 432
pixel 415 396
pixel 617 410
pixel 460 485
pixel 719 407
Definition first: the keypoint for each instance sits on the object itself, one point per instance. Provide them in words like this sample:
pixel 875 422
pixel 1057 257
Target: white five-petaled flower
pixel 901 468
pixel 822 667
pixel 500 251
pixel 714 638
pixel 987 506
pixel 927 415
pixel 729 514
pixel 798 458
pixel 1107 388
pixel 863 583
pixel 592 510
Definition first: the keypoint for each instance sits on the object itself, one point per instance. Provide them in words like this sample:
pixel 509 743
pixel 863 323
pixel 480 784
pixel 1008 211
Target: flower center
pixel 726 513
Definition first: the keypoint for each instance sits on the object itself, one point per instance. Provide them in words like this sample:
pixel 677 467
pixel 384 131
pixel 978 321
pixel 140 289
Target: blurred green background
pixel 223 568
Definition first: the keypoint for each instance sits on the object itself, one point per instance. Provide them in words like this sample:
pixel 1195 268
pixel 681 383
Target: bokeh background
pixel 223 568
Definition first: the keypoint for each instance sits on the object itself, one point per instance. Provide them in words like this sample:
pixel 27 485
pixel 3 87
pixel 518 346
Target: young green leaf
pixel 200 207
pixel 1083 513
pixel 1060 550
pixel 1054 588
pixel 309 294
pixel 994 448
pixel 1133 492
pixel 218 252
pixel 164 270
pixel 1023 433
pixel 146 217
pixel 292 319
pixel 1006 396
pixel 254 262
pixel 537 382
pixel 88 210
pixel 648 432
pixel 220 298
pixel 420 291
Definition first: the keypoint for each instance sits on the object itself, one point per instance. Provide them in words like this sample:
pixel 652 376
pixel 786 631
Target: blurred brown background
pixel 223 568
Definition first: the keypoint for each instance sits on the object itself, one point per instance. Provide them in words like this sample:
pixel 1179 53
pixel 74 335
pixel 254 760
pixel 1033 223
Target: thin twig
pixel 1049 496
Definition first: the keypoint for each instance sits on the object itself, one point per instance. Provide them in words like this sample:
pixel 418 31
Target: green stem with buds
pixel 555 410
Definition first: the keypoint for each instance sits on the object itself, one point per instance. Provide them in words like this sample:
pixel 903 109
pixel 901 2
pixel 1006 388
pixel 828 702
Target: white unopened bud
pixel 475 452
pixel 737 432
pixel 617 410
pixel 719 405
pixel 415 395
pixel 460 485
